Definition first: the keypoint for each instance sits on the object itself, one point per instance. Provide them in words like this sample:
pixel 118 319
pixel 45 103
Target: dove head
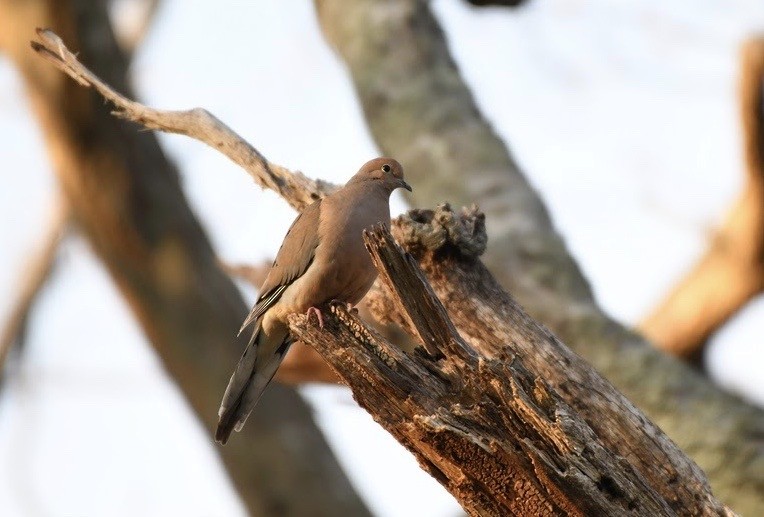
pixel 384 172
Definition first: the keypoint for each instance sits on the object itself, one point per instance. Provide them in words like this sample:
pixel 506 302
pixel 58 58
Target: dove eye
pixel 386 168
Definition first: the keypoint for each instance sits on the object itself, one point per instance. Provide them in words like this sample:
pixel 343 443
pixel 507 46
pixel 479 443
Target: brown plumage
pixel 321 259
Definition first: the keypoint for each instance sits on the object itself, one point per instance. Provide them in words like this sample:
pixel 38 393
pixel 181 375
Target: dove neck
pixel 368 188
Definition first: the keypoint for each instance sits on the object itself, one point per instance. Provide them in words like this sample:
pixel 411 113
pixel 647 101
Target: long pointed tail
pixel 254 372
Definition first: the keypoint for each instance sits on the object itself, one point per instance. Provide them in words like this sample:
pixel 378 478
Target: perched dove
pixel 322 259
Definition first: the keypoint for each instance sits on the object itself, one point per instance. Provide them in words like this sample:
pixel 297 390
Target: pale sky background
pixel 622 114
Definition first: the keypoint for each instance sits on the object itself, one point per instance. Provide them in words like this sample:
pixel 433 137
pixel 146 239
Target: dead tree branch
pixel 497 436
pixel 298 190
pixel 731 272
pixel 420 110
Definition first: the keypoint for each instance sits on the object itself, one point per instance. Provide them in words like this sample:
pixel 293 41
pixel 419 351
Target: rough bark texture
pixel 420 111
pixel 731 272
pixel 126 198
pixel 503 440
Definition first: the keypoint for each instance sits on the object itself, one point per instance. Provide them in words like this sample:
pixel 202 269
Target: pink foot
pixel 313 310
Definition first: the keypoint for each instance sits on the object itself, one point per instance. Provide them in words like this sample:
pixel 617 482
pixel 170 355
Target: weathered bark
pixel 126 198
pixel 502 440
pixel 731 272
pixel 420 111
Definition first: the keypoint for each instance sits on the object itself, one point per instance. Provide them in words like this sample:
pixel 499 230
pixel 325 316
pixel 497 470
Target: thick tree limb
pixel 37 270
pixel 731 272
pixel 420 110
pixel 497 436
pixel 127 199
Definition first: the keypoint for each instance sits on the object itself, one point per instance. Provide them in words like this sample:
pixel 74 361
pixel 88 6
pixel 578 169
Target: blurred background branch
pixel 40 264
pixel 37 270
pixel 131 37
pixel 731 272
pixel 126 198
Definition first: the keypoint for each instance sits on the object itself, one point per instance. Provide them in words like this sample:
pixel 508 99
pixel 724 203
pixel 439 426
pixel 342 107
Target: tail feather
pixel 254 372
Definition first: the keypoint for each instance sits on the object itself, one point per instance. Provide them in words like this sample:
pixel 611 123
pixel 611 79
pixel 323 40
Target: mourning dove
pixel 322 259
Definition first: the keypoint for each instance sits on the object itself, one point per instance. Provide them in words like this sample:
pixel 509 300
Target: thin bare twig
pixel 37 273
pixel 298 190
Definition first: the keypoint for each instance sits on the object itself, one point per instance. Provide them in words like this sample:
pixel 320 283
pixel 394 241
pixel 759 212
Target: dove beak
pixel 405 185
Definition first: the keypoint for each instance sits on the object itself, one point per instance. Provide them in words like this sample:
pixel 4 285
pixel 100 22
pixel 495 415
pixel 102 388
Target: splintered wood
pixel 492 404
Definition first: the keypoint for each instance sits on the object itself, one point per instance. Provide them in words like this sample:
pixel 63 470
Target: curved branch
pixel 298 190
